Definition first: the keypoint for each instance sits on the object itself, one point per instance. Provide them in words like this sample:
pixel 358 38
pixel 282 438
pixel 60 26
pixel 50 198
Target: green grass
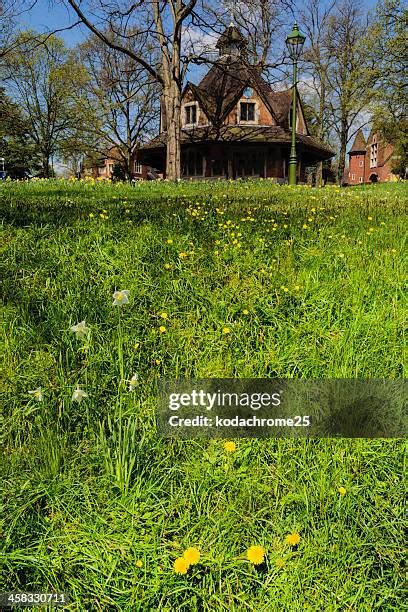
pixel 89 489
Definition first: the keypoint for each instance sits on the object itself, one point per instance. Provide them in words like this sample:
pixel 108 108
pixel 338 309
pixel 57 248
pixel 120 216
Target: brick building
pixel 370 161
pixel 234 125
pixel 104 168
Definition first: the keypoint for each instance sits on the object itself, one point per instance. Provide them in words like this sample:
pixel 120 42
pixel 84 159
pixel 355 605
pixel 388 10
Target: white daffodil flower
pixel 120 297
pixel 80 329
pixel 37 394
pixel 133 382
pixel 78 395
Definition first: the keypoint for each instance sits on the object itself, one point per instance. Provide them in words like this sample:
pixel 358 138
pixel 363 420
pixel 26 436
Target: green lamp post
pixel 294 44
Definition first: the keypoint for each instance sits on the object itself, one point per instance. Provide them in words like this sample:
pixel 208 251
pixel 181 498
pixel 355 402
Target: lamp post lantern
pixel 294 44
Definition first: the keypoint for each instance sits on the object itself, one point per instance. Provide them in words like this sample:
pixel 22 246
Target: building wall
pixel 262 113
pixel 189 98
pixel 374 165
pixel 356 174
pixel 106 170
pixel 382 169
pixel 226 161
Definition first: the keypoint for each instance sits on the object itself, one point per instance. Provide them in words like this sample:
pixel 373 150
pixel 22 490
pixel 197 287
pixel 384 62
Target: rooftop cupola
pixel 232 42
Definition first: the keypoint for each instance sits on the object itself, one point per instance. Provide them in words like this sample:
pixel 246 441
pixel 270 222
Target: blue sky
pixel 53 14
pixel 46 15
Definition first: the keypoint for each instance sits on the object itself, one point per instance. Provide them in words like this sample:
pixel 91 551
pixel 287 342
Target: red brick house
pixel 234 125
pixel 104 169
pixel 371 161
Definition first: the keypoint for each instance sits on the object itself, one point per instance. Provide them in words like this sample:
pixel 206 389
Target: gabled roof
pixel 359 144
pixel 253 134
pixel 222 86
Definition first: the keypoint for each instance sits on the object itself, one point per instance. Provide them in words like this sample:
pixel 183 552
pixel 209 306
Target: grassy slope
pixel 89 487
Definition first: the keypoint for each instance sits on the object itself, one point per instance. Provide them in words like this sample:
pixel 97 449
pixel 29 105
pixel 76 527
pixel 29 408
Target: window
pixel 193 164
pixel 361 163
pixel 218 167
pixel 138 167
pixel 110 167
pixel 190 114
pixel 247 111
pixel 360 179
pixel 373 154
pixel 353 176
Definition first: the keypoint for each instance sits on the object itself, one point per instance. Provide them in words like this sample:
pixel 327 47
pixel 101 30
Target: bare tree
pixel 262 23
pixel 352 73
pixel 123 96
pixel 314 18
pixel 163 21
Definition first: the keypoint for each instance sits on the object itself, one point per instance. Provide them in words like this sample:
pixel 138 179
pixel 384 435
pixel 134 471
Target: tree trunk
pixel 173 157
pixel 322 105
pixel 342 154
pixel 45 164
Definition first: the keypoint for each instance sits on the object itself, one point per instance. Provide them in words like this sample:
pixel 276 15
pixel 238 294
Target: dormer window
pixel 247 111
pixel 190 116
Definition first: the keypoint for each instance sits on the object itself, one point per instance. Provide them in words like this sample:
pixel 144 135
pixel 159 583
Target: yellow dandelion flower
pixel 162 329
pixel 342 491
pixel 256 554
pixel 226 330
pixel 183 255
pixel 169 241
pixel 370 218
pixel 245 311
pixel 164 315
pixel 167 266
pixel 180 566
pixel 192 555
pixel 139 563
pixel 230 447
pixel 157 362
pixel 91 215
pixel 292 539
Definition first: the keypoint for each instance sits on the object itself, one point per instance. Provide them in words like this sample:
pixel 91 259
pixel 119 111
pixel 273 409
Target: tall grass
pixel 309 284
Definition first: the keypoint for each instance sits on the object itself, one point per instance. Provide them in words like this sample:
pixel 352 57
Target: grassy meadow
pixel 225 280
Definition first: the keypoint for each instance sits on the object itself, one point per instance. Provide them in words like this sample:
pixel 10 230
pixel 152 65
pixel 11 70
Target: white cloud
pixel 196 42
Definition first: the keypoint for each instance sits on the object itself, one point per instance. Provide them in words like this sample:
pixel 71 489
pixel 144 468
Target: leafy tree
pixel 20 156
pixel 44 81
pixel 390 106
